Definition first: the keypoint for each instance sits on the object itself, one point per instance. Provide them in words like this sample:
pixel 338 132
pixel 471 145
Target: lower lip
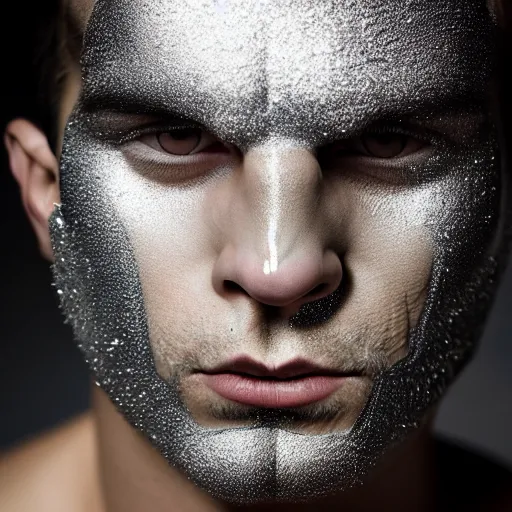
pixel 271 393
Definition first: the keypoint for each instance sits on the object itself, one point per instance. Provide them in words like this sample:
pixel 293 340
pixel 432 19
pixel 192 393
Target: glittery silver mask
pixel 265 76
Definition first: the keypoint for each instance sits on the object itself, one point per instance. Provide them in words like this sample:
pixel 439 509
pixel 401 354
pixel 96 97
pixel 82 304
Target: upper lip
pixel 293 369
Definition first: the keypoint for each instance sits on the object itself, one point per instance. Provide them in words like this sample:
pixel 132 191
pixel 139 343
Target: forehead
pixel 290 66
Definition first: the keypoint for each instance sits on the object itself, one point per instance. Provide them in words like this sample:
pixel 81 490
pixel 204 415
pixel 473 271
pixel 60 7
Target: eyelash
pixel 425 136
pixel 122 137
pixel 136 133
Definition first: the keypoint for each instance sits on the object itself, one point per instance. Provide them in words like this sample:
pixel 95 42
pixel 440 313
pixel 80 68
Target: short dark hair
pixel 49 68
pixel 57 43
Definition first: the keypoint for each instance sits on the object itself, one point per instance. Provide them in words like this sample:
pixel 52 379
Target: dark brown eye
pixel 377 145
pixel 384 145
pixel 180 142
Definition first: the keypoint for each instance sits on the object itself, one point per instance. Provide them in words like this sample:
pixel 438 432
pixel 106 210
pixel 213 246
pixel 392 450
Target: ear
pixel 35 168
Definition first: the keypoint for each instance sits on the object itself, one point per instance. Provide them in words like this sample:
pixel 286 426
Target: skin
pixel 29 475
pixel 383 342
pixel 125 456
pixel 241 289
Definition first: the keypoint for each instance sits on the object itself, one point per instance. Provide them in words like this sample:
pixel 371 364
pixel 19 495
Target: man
pixel 276 229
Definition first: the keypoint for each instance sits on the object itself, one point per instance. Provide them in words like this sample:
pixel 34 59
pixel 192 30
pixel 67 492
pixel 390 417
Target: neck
pixel 136 478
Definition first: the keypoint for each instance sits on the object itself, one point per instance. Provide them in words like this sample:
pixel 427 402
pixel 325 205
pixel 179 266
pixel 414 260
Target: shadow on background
pixel 42 377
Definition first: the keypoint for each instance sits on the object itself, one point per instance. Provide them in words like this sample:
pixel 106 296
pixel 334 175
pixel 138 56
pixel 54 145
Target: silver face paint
pixel 273 77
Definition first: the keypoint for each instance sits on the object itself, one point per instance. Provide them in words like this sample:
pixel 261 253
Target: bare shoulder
pixel 55 472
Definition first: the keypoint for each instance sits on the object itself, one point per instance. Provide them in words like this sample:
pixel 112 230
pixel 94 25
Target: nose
pixel 275 250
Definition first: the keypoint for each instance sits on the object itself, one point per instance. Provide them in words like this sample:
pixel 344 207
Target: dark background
pixel 42 378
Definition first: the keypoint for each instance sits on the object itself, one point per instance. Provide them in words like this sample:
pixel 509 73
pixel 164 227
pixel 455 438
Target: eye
pixel 180 142
pixel 386 145
pixel 184 141
pixel 379 145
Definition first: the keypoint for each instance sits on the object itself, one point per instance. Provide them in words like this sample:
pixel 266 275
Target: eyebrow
pixel 125 101
pixel 120 101
pixel 121 108
pixel 431 110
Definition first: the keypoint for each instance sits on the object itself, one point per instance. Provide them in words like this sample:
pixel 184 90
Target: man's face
pixel 271 212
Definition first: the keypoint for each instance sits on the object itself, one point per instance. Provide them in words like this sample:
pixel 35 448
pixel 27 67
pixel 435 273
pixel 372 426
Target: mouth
pixel 296 383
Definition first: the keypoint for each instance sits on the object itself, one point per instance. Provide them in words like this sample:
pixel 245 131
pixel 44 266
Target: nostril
pixel 231 286
pixel 318 290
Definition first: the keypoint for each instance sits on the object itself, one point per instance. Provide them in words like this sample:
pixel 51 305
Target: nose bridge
pixel 281 193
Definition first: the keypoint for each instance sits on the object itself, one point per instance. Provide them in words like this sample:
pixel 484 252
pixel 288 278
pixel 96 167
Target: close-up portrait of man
pixel 276 230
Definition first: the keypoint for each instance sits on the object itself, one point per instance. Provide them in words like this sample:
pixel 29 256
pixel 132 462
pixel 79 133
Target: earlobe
pixel 35 168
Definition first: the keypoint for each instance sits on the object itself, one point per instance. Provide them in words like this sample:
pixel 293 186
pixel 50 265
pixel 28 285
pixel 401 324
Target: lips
pixel 294 384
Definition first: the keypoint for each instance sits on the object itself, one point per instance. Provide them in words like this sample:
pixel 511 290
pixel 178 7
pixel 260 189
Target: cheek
pixel 389 285
pixel 170 237
pixel 387 263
